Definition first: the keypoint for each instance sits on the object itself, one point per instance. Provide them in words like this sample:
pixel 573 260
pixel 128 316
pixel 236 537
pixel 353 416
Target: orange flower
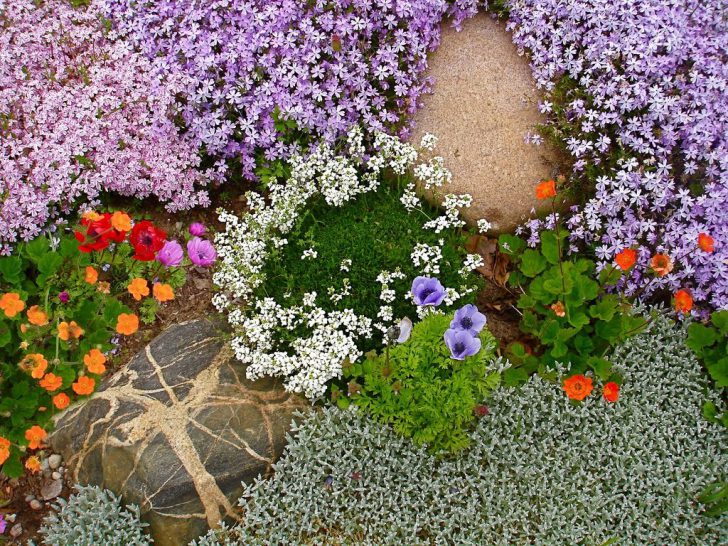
pixel 4 450
pixel 546 189
pixel 661 264
pixel 37 316
pixel 578 387
pixel 33 464
pixel 91 275
pixel 683 301
pixel 706 242
pixel 138 288
pixel 35 363
pixel 611 391
pixel 626 258
pixel 61 400
pixel 35 436
pixel 94 361
pixel 51 382
pixel 84 385
pixel 559 309
pixel 163 292
pixel 127 324
pixel 11 303
pixel 91 215
pixel 104 287
pixel 68 331
pixel 120 221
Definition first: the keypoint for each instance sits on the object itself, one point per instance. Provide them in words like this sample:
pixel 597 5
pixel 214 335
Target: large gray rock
pixel 177 431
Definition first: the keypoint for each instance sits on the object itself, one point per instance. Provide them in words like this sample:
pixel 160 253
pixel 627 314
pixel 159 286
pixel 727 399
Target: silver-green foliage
pixel 94 517
pixel 542 470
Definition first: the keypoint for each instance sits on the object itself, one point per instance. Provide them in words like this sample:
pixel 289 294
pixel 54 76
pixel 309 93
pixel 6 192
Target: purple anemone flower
pixel 171 254
pixel 428 291
pixel 468 318
pixel 197 229
pixel 461 344
pixel 201 252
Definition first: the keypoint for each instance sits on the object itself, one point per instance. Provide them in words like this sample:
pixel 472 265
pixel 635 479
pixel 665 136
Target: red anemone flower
pixel 147 240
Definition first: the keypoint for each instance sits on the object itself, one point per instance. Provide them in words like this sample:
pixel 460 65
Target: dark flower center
pixel 459 348
pixel 426 292
pixel 466 323
pixel 146 239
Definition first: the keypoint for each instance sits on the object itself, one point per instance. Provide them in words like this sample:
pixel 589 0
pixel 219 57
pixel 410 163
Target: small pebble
pixel 29 498
pixel 35 504
pixel 54 461
pixel 44 465
pixel 16 530
pixel 56 475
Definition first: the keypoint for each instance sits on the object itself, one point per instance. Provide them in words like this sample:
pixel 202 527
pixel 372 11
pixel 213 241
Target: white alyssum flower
pixel 484 226
pixel 428 142
pixel 309 254
pixel 427 257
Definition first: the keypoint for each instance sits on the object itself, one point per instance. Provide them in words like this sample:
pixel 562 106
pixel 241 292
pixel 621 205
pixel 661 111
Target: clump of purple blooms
pixel 648 112
pixel 82 113
pixel 324 64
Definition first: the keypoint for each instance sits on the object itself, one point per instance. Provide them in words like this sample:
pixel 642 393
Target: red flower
pixel 98 233
pixel 683 301
pixel 626 258
pixel 546 189
pixel 147 240
pixel 611 392
pixel 706 242
pixel 578 387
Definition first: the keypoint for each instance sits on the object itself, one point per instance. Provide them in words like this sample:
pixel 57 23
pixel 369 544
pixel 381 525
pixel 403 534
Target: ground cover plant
pixel 81 114
pixel 66 301
pixel 306 340
pixel 636 97
pixel 542 468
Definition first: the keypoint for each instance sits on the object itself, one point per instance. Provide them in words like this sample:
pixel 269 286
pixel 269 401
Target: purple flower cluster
pixel 324 64
pixel 81 114
pixel 648 110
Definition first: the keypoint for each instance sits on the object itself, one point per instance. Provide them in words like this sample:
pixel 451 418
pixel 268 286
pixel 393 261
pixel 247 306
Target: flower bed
pixel 80 114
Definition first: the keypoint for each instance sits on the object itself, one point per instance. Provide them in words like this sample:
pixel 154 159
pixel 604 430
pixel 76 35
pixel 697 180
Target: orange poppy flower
pixel 559 309
pixel 84 385
pixel 546 189
pixel 33 464
pixel 578 387
pixel 70 330
pixel 4 450
pixel 94 361
pixel 683 301
pixel 163 292
pixel 661 264
pixel 35 363
pixel 91 216
pixel 611 391
pixel 51 382
pixel 91 275
pixel 37 316
pixel 138 288
pixel 121 221
pixel 706 242
pixel 626 258
pixel 35 436
pixel 61 400
pixel 11 304
pixel 127 324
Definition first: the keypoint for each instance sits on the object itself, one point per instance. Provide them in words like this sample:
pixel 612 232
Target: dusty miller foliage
pixel 94 517
pixel 542 470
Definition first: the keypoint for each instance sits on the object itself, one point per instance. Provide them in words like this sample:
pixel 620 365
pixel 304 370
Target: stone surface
pixel 484 102
pixel 177 431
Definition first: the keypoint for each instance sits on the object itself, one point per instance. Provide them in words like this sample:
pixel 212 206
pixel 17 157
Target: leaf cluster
pixel 418 389
pixel 710 344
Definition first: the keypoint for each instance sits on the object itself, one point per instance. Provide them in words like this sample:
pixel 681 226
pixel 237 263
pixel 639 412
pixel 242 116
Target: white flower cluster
pixel 433 174
pixel 471 263
pixel 309 362
pixel 541 470
pixel 451 219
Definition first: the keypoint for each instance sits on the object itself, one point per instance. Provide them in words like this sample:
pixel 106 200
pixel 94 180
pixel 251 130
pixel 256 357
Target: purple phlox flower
pixel 63 297
pixel 428 291
pixel 3 524
pixel 197 229
pixel 461 344
pixel 171 254
pixel 468 318
pixel 201 252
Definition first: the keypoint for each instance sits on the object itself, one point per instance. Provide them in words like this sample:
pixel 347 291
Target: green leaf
pixel 609 330
pixel 609 275
pixel 720 321
pixel 710 412
pixel 37 248
pixel 700 336
pixel 583 344
pixel 13 468
pixel 719 371
pixel 578 319
pixel 510 244
pixel 6 334
pixel 601 366
pixel 549 331
pixel 513 377
pixel 550 247
pixel 532 263
pixel 605 308
pixel 11 268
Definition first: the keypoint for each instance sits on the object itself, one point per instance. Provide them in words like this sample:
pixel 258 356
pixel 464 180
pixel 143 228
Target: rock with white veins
pixel 177 430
